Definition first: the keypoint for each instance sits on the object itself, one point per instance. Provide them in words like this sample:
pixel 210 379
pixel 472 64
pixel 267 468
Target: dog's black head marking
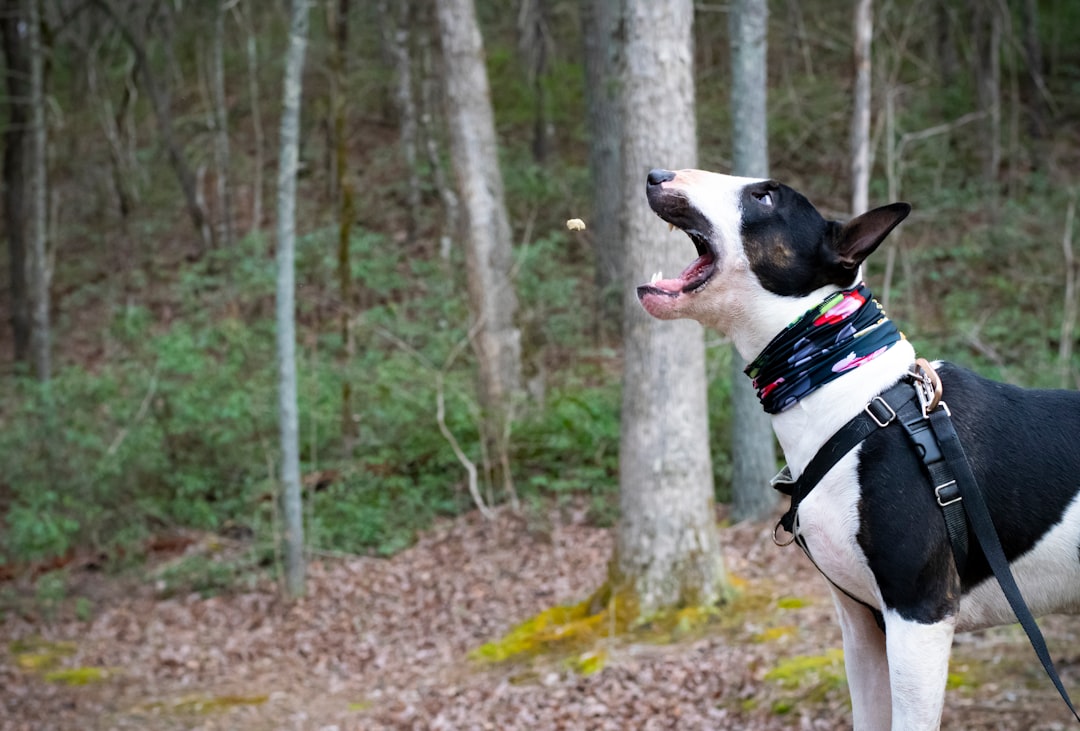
pixel 793 250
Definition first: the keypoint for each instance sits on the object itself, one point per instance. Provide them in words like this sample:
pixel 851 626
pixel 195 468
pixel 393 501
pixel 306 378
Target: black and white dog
pixel 766 258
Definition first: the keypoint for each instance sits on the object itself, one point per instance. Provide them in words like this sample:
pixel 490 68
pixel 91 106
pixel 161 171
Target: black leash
pixel 985 533
pixel 915 402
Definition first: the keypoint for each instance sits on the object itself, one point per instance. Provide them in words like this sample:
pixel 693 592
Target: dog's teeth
pixel 656 278
pixel 671 227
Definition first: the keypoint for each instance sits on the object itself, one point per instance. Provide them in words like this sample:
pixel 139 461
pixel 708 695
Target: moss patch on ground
pixel 577 632
pixel 813 676
pixel 35 654
pixel 204 704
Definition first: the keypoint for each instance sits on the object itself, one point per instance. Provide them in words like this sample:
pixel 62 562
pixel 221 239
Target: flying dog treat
pixel 575 224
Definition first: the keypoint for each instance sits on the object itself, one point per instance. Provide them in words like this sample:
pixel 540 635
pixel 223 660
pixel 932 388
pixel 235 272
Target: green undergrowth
pixel 178 427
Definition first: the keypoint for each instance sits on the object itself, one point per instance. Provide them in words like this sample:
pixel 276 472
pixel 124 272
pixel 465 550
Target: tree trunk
pixel 430 85
pixel 163 115
pixel 405 101
pixel 17 58
pixel 40 266
pixel 488 255
pixel 534 46
pixel 337 13
pixel 221 131
pixel 666 552
pixel 1036 91
pixel 986 68
pixel 860 117
pixel 599 23
pixel 247 16
pixel 293 535
pixel 753 454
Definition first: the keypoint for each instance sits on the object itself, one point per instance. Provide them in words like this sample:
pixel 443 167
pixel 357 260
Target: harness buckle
pixel 947 493
pixel 880 411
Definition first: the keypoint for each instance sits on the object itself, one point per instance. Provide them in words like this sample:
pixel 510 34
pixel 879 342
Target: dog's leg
pixel 918 670
pixel 866 664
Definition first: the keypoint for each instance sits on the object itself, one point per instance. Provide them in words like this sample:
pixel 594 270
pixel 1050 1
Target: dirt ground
pixel 383 644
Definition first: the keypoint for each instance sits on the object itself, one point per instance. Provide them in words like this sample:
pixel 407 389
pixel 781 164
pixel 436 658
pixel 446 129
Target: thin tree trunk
pixel 534 45
pixel 221 131
pixel 1033 56
pixel 986 62
pixel 860 118
pixel 488 255
pixel 338 22
pixel 599 24
pixel 666 552
pixel 753 452
pixel 40 266
pixel 163 116
pixel 405 101
pixel 293 537
pixel 120 174
pixel 246 17
pixel 17 58
pixel 429 105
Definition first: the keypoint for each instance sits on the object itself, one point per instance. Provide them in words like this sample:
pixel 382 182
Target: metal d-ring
pixel 775 530
pixel 929 387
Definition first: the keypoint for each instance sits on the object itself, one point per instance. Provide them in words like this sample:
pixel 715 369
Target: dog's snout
pixel 658 176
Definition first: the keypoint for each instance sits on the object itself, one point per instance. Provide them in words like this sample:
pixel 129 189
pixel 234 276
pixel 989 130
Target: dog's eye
pixel 764 197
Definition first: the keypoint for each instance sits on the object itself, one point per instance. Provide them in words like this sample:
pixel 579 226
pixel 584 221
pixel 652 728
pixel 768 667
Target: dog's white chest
pixel 828 523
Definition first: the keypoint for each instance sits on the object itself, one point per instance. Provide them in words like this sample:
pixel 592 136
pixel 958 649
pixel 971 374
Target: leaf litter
pixel 386 643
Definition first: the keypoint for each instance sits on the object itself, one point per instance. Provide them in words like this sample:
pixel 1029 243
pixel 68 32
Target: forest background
pixel 160 410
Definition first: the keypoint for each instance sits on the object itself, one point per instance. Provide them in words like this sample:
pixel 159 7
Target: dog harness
pixel 916 404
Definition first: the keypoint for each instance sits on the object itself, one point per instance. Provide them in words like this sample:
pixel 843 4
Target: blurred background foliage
pixel 161 414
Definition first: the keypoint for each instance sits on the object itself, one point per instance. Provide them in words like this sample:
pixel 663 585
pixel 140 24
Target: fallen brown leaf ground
pixel 383 644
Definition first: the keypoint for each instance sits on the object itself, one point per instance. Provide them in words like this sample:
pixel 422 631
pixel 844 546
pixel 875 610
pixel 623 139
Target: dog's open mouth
pixel 672 207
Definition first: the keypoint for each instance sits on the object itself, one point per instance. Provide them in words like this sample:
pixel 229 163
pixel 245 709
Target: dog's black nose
pixel 658 176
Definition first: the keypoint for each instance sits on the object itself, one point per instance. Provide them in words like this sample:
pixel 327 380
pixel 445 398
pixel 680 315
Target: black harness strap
pixel 878 414
pixel 923 439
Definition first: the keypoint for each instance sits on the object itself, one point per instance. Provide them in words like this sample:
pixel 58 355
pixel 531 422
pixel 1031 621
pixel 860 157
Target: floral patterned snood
pixel 846 330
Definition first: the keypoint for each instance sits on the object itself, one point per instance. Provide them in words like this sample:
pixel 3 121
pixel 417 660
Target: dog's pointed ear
pixel 858 238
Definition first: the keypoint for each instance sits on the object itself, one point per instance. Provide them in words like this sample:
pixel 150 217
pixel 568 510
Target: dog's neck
pixel 804 426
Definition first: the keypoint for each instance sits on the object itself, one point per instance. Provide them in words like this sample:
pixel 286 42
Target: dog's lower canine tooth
pixel 671 227
pixel 656 277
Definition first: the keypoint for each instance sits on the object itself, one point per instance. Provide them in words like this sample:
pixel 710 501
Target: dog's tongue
pixel 673 286
pixel 679 283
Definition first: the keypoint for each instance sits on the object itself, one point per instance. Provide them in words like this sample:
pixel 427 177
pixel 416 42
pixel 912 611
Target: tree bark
pixel 17 58
pixel 488 255
pixel 293 534
pixel 666 552
pixel 753 453
pixel 599 24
